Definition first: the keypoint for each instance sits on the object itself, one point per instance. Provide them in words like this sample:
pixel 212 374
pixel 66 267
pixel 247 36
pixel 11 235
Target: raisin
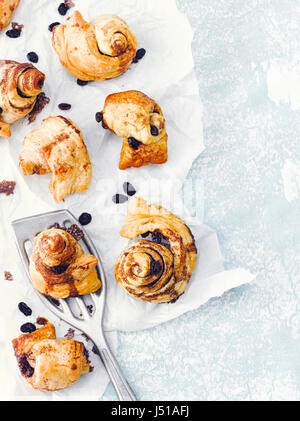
pixel 58 270
pixel 13 33
pixel 50 27
pixel 64 106
pixel 133 143
pixel 82 82
pixel 85 219
pixel 99 117
pixel 154 131
pixel 140 53
pixel 28 328
pixel 1 111
pixel 129 189
pixel 119 199
pixel 146 234
pixel 25 309
pixel 62 9
pixel 33 57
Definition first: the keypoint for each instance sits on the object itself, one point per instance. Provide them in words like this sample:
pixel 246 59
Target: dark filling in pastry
pixel 133 143
pixel 58 270
pixel 24 366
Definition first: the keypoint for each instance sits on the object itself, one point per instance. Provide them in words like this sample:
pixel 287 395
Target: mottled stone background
pixel 245 345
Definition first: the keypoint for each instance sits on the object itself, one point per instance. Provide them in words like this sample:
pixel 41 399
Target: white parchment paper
pixel 166 74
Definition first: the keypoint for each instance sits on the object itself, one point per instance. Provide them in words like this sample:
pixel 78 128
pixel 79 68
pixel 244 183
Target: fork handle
pixel 121 386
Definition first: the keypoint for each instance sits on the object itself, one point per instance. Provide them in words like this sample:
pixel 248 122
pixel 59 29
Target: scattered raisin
pixel 99 117
pixel 119 199
pixel 50 27
pixel 25 309
pixel 64 106
pixel 1 111
pixel 70 334
pixel 85 219
pixel 146 234
pixel 28 328
pixel 13 33
pixel 140 53
pixel 129 189
pixel 133 143
pixel 82 82
pixel 62 9
pixel 33 57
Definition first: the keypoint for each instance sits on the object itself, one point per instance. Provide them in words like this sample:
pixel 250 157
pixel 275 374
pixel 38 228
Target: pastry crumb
pixel 8 276
pixel 7 187
pixel 16 25
pixel 69 3
pixel 70 334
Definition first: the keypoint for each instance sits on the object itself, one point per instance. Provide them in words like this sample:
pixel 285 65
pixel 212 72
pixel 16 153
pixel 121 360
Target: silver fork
pixel 75 311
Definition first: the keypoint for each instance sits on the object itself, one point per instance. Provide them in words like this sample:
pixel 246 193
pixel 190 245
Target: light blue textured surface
pixel 245 345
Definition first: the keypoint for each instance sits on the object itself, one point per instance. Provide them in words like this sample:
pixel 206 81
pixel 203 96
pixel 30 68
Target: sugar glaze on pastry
pixel 47 363
pixel 139 120
pixel 7 8
pixel 58 147
pixel 20 85
pixel 59 267
pixel 103 49
pixel 156 270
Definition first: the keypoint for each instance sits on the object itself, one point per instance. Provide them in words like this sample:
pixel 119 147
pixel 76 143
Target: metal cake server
pixel 75 311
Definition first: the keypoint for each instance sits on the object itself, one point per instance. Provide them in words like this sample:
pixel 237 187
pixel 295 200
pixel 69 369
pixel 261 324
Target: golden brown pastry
pixel 7 8
pixel 47 363
pixel 20 84
pixel 140 121
pixel 103 49
pixel 156 269
pixel 59 267
pixel 58 147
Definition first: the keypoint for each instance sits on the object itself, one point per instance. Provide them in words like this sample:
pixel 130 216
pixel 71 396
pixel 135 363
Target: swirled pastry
pixel 7 8
pixel 140 121
pixel 157 269
pixel 20 84
pixel 103 49
pixel 47 363
pixel 59 267
pixel 58 147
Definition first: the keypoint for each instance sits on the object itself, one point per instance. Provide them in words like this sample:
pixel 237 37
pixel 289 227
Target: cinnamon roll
pixel 59 267
pixel 47 363
pixel 140 121
pixel 103 49
pixel 20 85
pixel 158 268
pixel 7 8
pixel 58 147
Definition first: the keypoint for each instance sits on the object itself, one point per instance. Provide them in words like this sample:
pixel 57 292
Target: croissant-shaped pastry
pixel 47 363
pixel 20 84
pixel 58 147
pixel 103 49
pixel 7 8
pixel 59 267
pixel 155 270
pixel 140 121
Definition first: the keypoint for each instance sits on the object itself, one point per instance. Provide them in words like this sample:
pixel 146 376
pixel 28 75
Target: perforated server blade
pixel 75 311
